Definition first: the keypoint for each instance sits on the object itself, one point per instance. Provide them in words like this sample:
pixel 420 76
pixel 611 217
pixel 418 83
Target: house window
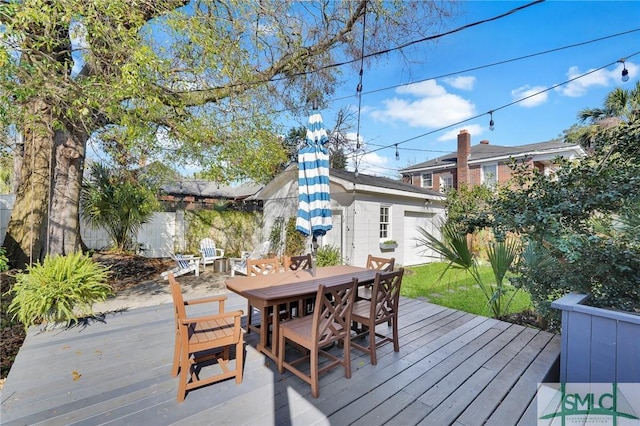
pixel 384 222
pixel 427 180
pixel 446 182
pixel 490 175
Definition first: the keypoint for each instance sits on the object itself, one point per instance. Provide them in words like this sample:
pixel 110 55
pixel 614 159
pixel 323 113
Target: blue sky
pixel 426 111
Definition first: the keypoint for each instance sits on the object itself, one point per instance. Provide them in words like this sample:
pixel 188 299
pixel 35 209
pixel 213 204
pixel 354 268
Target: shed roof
pixel 208 189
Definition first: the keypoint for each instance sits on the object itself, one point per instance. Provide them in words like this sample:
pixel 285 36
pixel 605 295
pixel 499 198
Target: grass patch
pixel 456 289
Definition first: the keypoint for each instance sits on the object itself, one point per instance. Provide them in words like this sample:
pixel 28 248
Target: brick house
pixel 485 163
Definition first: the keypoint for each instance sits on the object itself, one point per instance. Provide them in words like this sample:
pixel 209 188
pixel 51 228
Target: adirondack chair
pixel 239 264
pixel 209 252
pixel 185 264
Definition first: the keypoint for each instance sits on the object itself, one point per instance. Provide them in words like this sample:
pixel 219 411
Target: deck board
pixel 452 368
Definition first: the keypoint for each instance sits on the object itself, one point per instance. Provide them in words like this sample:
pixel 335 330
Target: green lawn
pixel 456 289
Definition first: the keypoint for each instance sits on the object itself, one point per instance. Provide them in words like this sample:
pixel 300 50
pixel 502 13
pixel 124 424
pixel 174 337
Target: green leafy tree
pixel 188 82
pixel 119 202
pixel 581 226
pixel 619 105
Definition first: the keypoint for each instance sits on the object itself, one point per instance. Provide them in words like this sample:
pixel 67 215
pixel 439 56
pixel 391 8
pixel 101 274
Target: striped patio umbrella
pixel 314 209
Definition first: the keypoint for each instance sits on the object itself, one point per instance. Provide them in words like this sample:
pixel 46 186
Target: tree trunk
pixel 45 217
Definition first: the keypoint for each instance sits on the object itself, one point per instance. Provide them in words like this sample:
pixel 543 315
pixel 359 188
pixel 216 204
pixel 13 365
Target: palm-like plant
pixel 620 105
pixel 118 202
pixel 455 249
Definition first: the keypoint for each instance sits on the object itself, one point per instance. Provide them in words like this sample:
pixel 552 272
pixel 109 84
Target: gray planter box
pixel 598 345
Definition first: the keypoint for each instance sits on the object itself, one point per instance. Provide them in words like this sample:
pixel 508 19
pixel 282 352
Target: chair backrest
pixel 182 262
pixel 262 266
pixel 293 263
pixel 385 295
pixel 178 301
pixel 208 247
pixel 380 263
pixel 332 312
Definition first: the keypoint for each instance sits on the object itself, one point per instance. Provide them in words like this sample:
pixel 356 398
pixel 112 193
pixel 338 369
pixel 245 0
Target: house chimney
pixel 464 150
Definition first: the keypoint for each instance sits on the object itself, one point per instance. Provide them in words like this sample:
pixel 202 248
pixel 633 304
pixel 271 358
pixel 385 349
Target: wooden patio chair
pixel 382 308
pixel 329 324
pixel 239 264
pixel 210 253
pixel 294 263
pixel 256 267
pixel 201 340
pixel 185 264
pixel 379 264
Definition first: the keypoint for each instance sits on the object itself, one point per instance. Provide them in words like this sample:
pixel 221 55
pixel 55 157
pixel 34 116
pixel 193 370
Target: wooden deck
pixel 452 368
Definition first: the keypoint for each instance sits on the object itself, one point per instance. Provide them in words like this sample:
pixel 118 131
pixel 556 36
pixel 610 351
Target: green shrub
pixel 328 256
pixel 4 261
pixel 58 289
pixel 295 242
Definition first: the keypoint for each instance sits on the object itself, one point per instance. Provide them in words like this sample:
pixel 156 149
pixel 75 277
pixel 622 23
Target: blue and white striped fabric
pixel 314 201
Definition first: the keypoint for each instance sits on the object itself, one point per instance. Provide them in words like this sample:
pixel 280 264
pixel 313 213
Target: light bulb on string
pixel 397 153
pixel 625 72
pixel 492 126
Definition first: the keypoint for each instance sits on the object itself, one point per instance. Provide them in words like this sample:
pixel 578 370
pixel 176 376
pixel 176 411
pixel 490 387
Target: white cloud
pixel 473 129
pixel 461 82
pixel 428 88
pixel 526 91
pixel 434 107
pixel 369 163
pixel 579 87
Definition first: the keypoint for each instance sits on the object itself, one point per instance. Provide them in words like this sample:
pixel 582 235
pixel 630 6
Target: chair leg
pixel 281 352
pixel 249 310
pixel 372 344
pixel 396 342
pixel 185 372
pixel 176 356
pixel 347 357
pixel 239 360
pixel 315 392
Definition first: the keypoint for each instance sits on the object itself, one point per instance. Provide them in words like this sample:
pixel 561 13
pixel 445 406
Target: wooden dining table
pixel 272 290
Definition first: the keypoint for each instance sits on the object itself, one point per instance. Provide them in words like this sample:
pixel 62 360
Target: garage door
pixel 414 253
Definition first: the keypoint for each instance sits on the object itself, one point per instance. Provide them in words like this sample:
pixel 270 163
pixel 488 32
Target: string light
pixel 625 72
pixel 491 123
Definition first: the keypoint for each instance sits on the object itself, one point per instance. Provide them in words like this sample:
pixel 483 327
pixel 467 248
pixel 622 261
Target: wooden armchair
pixel 329 323
pixel 201 340
pixel 382 308
pixel 257 267
pixel 239 264
pixel 294 263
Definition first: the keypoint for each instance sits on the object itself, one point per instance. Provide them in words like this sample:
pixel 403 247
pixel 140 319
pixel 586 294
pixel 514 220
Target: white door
pixel 414 253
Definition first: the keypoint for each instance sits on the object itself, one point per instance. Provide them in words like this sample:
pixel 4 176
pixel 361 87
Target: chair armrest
pixel 234 314
pixel 208 299
pixel 220 252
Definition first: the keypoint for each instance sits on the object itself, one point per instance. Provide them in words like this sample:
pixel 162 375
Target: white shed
pixel 367 210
